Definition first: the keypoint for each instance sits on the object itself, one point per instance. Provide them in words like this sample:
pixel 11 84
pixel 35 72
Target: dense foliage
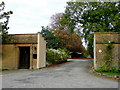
pixel 56 52
pixel 52 41
pixel 56 56
pixel 81 20
pixel 71 41
pixel 4 19
pixel 90 17
pixel 107 65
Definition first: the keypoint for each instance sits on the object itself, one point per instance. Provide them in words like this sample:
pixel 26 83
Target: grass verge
pixel 2 69
pixel 110 73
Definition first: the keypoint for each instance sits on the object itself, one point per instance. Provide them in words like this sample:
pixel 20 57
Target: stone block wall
pixel 23 39
pixel 101 42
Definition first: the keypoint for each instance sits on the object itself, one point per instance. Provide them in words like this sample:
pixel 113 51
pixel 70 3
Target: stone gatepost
pixel 102 41
pixel 41 52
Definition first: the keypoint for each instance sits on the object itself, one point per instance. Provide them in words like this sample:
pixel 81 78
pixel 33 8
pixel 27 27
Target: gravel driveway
pixel 70 75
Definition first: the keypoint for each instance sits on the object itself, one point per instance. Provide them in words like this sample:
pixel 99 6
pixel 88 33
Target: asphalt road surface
pixel 74 74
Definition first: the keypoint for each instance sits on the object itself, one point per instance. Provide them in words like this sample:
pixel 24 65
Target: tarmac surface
pixel 73 74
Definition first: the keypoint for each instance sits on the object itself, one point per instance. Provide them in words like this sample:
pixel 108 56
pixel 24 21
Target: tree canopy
pixel 82 19
pixel 4 19
pixel 72 42
pixel 52 41
pixel 90 17
pixel 68 38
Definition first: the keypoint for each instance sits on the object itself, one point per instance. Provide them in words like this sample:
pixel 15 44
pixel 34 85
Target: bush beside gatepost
pixel 55 56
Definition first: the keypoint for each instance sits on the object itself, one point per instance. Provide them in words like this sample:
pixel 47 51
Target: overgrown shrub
pixel 85 55
pixel 56 56
pixel 106 66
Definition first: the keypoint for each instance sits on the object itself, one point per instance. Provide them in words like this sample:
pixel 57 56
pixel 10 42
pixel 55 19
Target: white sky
pixel 29 15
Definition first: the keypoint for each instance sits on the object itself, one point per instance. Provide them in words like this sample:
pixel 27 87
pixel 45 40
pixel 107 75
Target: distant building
pixel 25 51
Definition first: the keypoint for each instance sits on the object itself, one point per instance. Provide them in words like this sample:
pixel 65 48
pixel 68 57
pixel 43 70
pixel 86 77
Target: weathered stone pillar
pixel 95 66
pixel 41 52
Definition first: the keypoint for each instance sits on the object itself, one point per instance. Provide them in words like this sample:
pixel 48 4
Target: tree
pixel 55 25
pixel 51 40
pixel 71 42
pixel 60 21
pixel 4 19
pixel 65 31
pixel 90 17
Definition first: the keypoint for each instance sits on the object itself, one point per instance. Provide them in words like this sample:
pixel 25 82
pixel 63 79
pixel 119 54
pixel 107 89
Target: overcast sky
pixel 29 15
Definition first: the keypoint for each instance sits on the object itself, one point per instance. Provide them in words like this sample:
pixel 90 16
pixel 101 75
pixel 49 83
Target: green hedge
pixel 56 56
